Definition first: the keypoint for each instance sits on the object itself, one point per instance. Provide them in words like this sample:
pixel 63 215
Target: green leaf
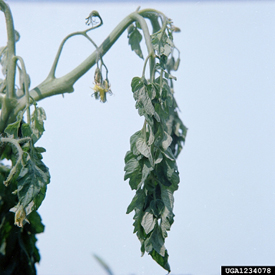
pixel 37 123
pixel 159 158
pixel 12 130
pixel 36 223
pixel 135 38
pixel 32 180
pixel 136 83
pixel 161 260
pixel 144 101
pixel 148 222
pixel 146 170
pixel 169 76
pixel 16 157
pixel 167 216
pixel 151 136
pixel 133 140
pixel 132 170
pixel 167 173
pixel 26 130
pixel 136 202
pixel 144 104
pixel 161 43
pixel 157 207
pixel 167 140
pixel 151 90
pixel 144 149
pixel 155 242
pixel 18 244
pixel 132 165
pixel 178 133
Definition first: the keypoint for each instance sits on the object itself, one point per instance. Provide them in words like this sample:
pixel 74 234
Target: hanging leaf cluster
pixel 150 164
pixel 23 191
pixel 18 251
pixel 27 170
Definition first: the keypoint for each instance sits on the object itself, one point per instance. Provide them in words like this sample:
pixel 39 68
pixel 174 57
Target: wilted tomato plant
pixel 150 164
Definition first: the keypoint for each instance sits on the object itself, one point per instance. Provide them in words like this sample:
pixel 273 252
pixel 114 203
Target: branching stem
pixel 57 57
pixel 54 86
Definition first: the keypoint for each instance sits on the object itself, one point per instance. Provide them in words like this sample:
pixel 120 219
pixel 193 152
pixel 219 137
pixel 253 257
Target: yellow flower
pixel 101 90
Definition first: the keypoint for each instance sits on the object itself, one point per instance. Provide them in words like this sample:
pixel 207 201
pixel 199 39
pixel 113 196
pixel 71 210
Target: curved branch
pixel 11 48
pixel 84 33
pixel 54 86
pixel 147 37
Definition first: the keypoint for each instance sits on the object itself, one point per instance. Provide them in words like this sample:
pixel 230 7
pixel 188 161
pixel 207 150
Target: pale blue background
pixel 225 204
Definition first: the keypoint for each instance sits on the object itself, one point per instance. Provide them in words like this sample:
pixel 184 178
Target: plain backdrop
pixel 225 90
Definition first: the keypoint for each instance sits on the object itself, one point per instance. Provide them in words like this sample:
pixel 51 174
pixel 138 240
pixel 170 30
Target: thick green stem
pixel 11 49
pixel 9 101
pixel 54 86
pixel 148 42
pixel 153 16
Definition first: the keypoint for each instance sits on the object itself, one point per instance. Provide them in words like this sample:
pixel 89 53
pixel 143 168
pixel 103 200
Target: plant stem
pixel 84 33
pixel 26 85
pixel 11 49
pixel 55 86
pixel 148 42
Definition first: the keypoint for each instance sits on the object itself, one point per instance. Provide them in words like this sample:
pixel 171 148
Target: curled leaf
pixel 20 215
pixel 90 20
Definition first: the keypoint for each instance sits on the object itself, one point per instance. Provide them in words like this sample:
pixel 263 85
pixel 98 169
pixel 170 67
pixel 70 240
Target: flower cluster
pixel 102 87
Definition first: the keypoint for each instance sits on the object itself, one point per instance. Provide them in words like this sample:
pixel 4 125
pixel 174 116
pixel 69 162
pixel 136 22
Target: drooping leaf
pixel 136 83
pixel 18 244
pixel 157 207
pixel 167 140
pixel 136 202
pixel 161 260
pixel 144 104
pixel 28 171
pixel 155 242
pixel 32 180
pixel 132 170
pixel 12 130
pixel 144 149
pixel 146 170
pixel 133 140
pixel 37 123
pixel 167 217
pixel 148 222
pixel 135 38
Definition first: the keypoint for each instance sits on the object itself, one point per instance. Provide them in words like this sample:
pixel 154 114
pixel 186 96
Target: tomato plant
pixel 150 163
